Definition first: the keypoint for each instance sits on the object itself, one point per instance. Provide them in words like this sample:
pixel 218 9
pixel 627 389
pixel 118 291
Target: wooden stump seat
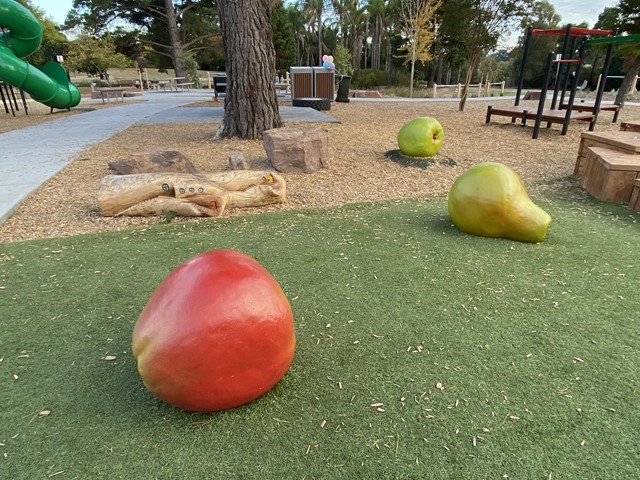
pixel 634 203
pixel 623 141
pixel 610 175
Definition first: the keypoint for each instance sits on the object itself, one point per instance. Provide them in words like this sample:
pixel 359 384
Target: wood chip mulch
pixel 363 165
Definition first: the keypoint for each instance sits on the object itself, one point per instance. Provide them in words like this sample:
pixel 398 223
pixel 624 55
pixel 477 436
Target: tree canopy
pixel 175 30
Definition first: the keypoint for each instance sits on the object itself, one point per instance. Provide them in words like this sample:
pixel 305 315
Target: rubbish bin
pixel 301 82
pixel 324 83
pixel 343 88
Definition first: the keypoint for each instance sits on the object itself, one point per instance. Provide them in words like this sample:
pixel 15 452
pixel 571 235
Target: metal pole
pixel 565 84
pixel 574 88
pixel 565 47
pixel 525 54
pixel 600 90
pixel 543 96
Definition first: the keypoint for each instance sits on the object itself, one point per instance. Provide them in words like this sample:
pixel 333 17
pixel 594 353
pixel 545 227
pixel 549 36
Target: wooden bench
pixel 590 107
pixel 558 116
pixel 628 142
pixel 513 112
pixel 111 92
pixel 184 85
pixel 630 126
pixel 610 175
pixel 634 203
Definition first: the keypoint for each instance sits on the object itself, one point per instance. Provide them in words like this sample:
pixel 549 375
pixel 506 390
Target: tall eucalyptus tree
pixel 177 19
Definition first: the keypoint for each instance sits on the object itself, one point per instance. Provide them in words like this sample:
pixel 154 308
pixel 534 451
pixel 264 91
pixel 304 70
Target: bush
pixel 364 79
pixel 87 83
pixel 368 78
pixel 401 79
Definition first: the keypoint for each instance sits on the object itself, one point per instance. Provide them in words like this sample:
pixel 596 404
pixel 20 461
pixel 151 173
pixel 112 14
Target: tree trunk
pixel 250 104
pixel 627 82
pixel 438 72
pixel 375 52
pixel 413 68
pixel 177 47
pixel 356 51
pixel 319 14
pixel 473 60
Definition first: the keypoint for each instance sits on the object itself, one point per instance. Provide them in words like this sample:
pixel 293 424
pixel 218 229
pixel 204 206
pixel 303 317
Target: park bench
pixel 590 107
pixel 630 126
pixel 219 85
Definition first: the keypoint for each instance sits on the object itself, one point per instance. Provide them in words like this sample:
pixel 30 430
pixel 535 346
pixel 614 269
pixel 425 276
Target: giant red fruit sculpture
pixel 217 333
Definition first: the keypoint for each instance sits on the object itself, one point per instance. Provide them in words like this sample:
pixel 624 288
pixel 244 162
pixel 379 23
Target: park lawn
pixel 422 352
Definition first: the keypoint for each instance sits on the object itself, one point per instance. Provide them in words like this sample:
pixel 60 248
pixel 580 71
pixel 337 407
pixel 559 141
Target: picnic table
pixel 111 92
pixel 173 84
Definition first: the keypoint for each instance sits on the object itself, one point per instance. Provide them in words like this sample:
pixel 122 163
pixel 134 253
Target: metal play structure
pixel 559 111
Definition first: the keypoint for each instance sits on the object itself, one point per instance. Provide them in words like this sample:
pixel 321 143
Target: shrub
pixel 401 79
pixel 364 79
pixel 368 78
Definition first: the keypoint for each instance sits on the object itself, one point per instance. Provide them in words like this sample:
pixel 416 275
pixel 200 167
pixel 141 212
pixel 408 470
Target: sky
pixel 55 9
pixel 571 11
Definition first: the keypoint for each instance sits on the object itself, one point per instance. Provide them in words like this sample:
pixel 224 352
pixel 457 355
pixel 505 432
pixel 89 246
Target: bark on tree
pixel 251 103
pixel 628 82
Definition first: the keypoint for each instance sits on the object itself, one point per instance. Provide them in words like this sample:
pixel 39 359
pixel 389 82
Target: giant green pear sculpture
pixel 490 200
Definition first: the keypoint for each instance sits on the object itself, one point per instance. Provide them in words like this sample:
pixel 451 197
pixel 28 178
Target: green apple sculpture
pixel 421 137
pixel 490 200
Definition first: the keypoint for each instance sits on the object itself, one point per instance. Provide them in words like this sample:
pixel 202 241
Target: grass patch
pixel 423 163
pixel 422 352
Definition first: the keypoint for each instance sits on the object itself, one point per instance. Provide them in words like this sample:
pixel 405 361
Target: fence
pixel 633 89
pixel 482 88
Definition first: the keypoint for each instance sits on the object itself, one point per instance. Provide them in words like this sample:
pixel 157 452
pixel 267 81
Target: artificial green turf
pixel 491 358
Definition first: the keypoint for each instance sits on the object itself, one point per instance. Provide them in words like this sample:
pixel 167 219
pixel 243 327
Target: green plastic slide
pixel 50 84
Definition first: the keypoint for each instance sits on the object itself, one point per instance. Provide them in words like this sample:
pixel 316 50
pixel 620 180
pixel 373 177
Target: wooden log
pixel 200 195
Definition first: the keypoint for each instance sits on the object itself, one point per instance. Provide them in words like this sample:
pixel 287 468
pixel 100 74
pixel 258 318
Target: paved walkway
pixel 34 154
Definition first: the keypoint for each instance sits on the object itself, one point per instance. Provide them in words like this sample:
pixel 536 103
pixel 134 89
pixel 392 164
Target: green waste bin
pixel 343 88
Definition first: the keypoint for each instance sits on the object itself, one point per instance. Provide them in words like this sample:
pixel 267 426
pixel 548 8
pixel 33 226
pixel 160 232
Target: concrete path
pixel 31 156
